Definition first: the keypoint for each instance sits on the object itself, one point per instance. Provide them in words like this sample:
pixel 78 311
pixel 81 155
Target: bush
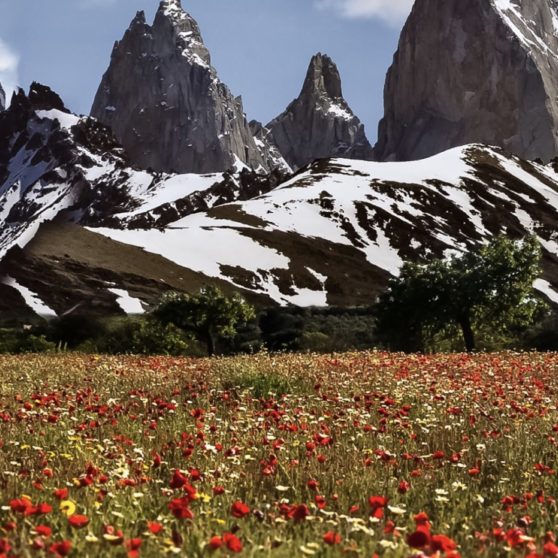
pixel 143 337
pixel 19 341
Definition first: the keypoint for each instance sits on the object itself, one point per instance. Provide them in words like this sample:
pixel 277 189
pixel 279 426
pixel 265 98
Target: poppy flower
pixel 154 527
pixel 62 548
pixel 332 538
pixel 215 543
pixel 43 530
pixel 78 521
pixel 418 539
pixel 232 542
pixel 239 509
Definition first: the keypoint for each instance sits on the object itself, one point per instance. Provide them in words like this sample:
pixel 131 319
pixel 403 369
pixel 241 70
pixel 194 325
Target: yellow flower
pixel 67 507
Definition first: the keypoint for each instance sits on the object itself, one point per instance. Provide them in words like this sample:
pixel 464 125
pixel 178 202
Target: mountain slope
pixel 2 98
pixel 319 123
pixel 165 103
pixel 478 71
pixel 334 233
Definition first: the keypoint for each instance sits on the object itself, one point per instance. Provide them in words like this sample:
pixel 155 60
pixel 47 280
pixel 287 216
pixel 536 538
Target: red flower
pixel 239 509
pixel 180 508
pixel 78 521
pixel 332 538
pixel 442 543
pixel 232 542
pixel 43 530
pixel 300 512
pixel 419 539
pixel 61 548
pixel 377 505
pixel 21 505
pixel 403 487
pixel 154 527
pixel 61 493
pixel 215 543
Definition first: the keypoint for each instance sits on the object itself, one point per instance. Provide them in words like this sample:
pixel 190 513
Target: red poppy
pixel 332 538
pixel 215 543
pixel 43 530
pixel 154 527
pixel 418 539
pixel 78 521
pixel 61 548
pixel 239 509
pixel 233 543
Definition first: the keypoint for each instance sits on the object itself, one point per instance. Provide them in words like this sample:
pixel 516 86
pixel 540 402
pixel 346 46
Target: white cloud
pixel 9 64
pixel 393 12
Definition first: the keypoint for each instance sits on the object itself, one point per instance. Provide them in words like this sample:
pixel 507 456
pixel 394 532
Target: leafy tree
pixel 489 286
pixel 209 315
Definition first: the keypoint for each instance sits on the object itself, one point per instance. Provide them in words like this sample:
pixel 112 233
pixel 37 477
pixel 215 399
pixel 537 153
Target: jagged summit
pixel 166 104
pixel 323 78
pixel 2 98
pixel 319 123
pixel 478 71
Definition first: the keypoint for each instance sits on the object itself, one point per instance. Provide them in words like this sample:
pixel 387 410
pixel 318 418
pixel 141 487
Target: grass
pixel 279 455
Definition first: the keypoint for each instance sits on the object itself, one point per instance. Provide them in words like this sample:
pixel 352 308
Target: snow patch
pixel 129 304
pixel 31 299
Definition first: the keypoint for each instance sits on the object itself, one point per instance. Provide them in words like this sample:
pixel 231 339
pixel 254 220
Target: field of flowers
pixel 363 454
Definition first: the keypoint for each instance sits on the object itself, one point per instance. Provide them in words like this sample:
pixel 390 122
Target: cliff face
pixel 165 102
pixel 477 71
pixel 2 98
pixel 319 123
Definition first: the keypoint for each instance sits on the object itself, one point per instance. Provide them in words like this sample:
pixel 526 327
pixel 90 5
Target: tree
pixel 209 315
pixel 490 285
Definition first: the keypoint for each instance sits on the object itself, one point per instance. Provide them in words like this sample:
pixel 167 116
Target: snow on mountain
pixel 379 213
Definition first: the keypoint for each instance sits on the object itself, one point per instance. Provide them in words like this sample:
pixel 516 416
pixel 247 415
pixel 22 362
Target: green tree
pixel 209 315
pixel 489 286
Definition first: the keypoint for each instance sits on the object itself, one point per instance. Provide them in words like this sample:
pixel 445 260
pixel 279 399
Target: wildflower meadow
pixel 359 454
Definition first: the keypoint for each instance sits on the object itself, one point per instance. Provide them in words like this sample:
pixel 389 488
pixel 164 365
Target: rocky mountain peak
pixel 2 98
pixel 166 104
pixel 173 20
pixel 322 78
pixel 319 123
pixel 484 71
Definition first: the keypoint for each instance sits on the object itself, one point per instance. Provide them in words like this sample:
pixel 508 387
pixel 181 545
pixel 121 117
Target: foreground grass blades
pixel 354 455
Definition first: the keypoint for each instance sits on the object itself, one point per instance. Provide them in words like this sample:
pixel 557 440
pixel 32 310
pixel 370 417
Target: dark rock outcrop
pixel 477 71
pixel 165 102
pixel 2 98
pixel 319 123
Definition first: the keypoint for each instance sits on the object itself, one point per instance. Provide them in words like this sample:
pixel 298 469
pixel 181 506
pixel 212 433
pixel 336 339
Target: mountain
pixel 60 172
pixel 82 230
pixel 319 123
pixel 2 98
pixel 165 103
pixel 478 71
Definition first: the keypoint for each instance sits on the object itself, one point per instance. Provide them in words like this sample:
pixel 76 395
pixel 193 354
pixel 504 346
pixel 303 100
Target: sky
pixel 260 48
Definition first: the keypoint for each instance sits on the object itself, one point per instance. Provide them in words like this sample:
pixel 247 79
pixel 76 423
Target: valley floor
pixel 297 455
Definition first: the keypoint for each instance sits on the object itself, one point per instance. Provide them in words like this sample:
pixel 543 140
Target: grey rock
pixel 477 71
pixel 270 153
pixel 165 102
pixel 2 98
pixel 319 123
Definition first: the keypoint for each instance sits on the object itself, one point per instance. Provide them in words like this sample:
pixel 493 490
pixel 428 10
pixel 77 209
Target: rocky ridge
pixel 165 103
pixel 479 71
pixel 319 123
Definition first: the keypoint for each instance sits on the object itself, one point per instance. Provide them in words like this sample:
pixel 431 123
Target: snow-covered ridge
pixel 387 211
pixel 525 29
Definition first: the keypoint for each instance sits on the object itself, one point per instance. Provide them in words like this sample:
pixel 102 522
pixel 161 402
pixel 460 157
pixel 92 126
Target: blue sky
pixel 261 48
